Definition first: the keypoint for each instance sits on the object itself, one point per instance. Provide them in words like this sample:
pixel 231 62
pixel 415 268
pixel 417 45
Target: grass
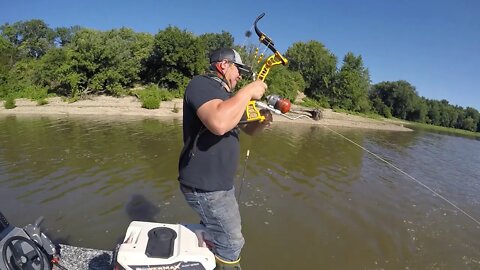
pixel 414 124
pixel 444 129
pixel 366 115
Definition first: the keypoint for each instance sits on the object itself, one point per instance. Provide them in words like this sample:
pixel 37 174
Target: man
pixel 209 158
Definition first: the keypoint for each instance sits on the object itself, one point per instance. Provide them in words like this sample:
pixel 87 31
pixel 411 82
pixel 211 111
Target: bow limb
pixel 275 59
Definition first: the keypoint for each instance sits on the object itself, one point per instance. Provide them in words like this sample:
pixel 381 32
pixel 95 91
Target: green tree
pixel 317 66
pixel 419 112
pixel 177 56
pixel 64 35
pixel 433 112
pixel 380 107
pixel 284 82
pixel 475 116
pixel 352 85
pixel 106 61
pixel 34 38
pixel 400 96
pixel 469 124
pixel 213 41
pixel 446 114
pixel 56 71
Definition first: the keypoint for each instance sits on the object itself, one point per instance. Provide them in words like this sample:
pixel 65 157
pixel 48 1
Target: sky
pixel 432 44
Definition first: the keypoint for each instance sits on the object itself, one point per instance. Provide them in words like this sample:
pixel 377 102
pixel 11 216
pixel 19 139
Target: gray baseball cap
pixel 232 56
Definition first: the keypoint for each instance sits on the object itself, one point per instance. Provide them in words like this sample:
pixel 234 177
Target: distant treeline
pixel 37 61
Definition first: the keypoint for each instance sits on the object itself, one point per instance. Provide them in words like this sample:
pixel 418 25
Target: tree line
pixel 37 61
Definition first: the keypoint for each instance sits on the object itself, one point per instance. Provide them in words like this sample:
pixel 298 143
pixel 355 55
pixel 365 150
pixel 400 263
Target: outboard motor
pixel 26 248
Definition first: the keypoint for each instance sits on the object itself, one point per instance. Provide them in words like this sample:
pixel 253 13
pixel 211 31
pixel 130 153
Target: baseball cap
pixel 232 56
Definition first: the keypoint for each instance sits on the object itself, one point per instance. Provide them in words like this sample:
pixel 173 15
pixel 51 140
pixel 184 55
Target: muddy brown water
pixel 310 199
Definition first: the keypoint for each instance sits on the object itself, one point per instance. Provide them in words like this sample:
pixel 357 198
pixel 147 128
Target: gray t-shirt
pixel 208 161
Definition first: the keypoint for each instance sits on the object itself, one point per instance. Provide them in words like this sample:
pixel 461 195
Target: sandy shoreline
pixel 130 106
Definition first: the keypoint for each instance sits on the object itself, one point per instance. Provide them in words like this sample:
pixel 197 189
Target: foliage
pixel 33 38
pixel 284 82
pixel 33 92
pixel 351 85
pixel 56 72
pixel 315 103
pixel 399 96
pixel 106 61
pixel 177 56
pixel 403 101
pixel 213 41
pixel 42 102
pixel 64 35
pixel 445 129
pixel 36 61
pixel 317 66
pixel 381 108
pixel 9 103
pixel 151 96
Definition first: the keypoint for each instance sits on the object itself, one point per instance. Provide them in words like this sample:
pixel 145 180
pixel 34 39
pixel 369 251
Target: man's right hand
pixel 256 89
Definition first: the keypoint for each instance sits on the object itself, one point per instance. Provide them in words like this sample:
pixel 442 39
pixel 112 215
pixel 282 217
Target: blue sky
pixel 434 45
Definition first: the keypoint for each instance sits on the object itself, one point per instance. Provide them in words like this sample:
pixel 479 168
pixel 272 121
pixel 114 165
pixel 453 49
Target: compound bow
pixel 253 114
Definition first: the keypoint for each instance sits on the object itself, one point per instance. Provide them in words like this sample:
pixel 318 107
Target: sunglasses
pixel 244 70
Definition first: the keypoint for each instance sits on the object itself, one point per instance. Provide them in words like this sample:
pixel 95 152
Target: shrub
pixel 33 92
pixel 313 103
pixel 9 103
pixel 42 102
pixel 151 96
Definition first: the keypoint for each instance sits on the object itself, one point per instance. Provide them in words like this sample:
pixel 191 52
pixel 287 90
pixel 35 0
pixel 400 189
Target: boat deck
pixel 79 258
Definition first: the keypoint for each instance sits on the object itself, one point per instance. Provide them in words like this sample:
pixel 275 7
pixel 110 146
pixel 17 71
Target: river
pixel 310 198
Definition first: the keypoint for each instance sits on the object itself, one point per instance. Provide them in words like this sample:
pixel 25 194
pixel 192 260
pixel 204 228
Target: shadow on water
pixel 140 208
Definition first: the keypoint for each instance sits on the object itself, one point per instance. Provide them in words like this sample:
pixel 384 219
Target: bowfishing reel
pixel 25 248
pixel 274 103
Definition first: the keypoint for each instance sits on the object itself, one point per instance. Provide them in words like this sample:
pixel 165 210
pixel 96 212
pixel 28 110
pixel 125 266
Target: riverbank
pixel 131 106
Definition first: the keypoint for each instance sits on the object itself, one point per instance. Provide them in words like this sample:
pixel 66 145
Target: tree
pixel 106 61
pixel 400 96
pixel 64 35
pixel 284 82
pixel 380 107
pixel 419 112
pixel 352 85
pixel 433 112
pixel 33 37
pixel 213 41
pixel 475 115
pixel 177 56
pixel 317 66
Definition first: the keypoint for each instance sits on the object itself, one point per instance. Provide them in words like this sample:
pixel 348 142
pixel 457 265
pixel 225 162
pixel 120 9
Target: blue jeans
pixel 219 212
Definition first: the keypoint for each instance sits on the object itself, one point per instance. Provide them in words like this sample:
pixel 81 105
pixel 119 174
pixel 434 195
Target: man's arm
pixel 220 116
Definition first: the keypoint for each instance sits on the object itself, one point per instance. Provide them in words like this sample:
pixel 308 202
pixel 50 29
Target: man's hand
pixel 256 89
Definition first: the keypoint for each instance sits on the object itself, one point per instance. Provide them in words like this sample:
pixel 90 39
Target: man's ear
pixel 220 66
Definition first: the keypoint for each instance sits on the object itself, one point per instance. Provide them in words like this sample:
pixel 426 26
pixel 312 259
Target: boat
pixel 146 246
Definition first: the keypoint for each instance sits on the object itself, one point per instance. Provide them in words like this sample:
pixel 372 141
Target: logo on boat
pixel 173 266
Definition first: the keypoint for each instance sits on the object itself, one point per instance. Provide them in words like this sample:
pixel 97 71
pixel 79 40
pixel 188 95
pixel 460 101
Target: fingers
pixel 257 89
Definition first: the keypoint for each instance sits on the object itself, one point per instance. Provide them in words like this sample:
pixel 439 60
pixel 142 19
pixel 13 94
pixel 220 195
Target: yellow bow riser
pixel 272 60
pixel 252 112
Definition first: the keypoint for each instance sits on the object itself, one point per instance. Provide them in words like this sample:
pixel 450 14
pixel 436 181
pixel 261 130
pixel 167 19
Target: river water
pixel 310 198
